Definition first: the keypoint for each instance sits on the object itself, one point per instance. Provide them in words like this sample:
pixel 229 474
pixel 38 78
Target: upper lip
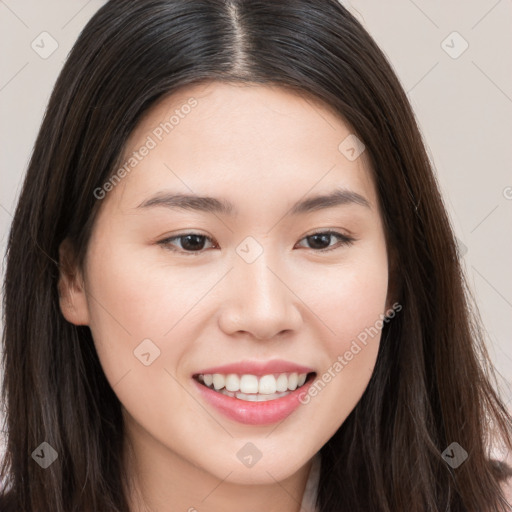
pixel 257 368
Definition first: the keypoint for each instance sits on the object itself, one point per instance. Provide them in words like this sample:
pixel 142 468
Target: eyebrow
pixel 338 197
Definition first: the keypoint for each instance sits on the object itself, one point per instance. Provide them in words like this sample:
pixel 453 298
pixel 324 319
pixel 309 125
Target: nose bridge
pixel 262 304
pixel 260 285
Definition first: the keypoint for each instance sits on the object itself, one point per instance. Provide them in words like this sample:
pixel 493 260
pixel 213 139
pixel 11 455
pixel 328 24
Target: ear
pixel 72 297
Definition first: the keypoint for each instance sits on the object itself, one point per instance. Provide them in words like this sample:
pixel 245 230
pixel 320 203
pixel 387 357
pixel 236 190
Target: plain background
pixel 462 98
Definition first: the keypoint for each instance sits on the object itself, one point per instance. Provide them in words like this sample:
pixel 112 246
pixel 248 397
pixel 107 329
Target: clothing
pixel 310 492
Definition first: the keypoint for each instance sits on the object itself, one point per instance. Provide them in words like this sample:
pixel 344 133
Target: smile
pixel 254 392
pixel 253 388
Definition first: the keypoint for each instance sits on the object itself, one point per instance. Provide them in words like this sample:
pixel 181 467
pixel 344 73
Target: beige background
pixel 462 99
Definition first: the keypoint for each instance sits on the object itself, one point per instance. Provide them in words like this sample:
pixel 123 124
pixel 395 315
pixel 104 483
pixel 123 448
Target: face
pixel 246 292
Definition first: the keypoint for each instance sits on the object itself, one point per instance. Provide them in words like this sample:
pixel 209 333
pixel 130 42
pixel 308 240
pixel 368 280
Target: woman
pixel 232 283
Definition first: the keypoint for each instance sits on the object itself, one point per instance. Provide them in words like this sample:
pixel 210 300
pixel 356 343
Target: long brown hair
pixel 433 383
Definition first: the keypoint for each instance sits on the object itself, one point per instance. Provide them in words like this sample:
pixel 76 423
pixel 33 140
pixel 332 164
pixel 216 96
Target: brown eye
pixel 190 243
pixel 321 241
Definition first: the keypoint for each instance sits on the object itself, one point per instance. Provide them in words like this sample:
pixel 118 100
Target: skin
pixel 263 148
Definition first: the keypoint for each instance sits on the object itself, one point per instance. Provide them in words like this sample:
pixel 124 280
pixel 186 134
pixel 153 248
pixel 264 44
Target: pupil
pixel 323 237
pixel 194 244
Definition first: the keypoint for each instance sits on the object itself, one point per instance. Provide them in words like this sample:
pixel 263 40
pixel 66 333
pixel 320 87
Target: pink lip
pixel 254 413
pixel 257 368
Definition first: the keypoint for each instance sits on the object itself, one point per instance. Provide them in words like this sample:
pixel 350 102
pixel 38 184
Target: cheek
pixel 123 301
pixel 140 304
pixel 357 304
pixel 349 297
pixel 350 302
pixel 131 293
pixel 132 307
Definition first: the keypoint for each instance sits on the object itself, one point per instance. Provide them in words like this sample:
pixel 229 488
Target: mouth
pixel 255 388
pixel 254 392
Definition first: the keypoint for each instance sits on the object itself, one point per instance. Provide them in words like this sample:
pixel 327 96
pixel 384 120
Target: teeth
pixel 218 381
pixel 293 380
pixel 232 382
pixel 249 384
pixel 253 398
pixel 268 385
pixel 282 383
pixel 245 385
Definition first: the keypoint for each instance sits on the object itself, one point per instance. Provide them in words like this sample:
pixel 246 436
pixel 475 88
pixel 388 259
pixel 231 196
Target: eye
pixel 322 237
pixel 192 244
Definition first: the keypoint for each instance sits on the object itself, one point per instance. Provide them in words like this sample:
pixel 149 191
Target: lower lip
pixel 254 413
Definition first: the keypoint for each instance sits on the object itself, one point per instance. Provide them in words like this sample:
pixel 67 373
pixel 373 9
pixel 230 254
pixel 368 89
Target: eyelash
pixel 345 241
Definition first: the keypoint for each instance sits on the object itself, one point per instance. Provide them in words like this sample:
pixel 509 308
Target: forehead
pixel 244 139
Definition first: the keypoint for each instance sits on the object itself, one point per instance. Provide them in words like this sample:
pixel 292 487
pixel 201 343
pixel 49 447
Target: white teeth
pixel 268 385
pixel 218 381
pixel 282 383
pixel 252 398
pixel 248 385
pixel 293 380
pixel 232 382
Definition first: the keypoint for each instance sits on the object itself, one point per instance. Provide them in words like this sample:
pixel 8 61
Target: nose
pixel 259 301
